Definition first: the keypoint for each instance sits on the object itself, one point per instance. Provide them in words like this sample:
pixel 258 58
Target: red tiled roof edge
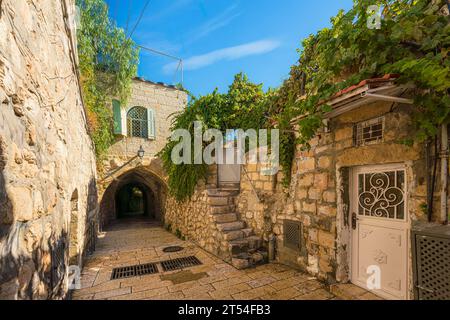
pixel 386 78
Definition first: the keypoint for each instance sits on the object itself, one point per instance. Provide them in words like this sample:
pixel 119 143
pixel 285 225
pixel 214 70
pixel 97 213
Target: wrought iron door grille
pixel 432 267
pixel 180 263
pixel 134 271
pixel 292 234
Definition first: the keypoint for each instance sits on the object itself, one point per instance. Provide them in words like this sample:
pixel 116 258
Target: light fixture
pixel 141 152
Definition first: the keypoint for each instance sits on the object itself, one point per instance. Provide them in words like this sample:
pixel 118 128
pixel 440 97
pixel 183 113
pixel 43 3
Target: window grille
pixel 137 122
pixel 369 132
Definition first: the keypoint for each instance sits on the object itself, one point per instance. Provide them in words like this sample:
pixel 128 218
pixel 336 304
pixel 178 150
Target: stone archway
pixel 137 192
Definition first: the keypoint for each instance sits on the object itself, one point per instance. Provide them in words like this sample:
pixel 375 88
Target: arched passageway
pixel 137 193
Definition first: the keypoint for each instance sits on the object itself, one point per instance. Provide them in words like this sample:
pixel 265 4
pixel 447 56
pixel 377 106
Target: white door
pixel 229 170
pixel 380 238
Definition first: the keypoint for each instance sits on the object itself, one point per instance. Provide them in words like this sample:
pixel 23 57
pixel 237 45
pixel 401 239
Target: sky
pixel 219 38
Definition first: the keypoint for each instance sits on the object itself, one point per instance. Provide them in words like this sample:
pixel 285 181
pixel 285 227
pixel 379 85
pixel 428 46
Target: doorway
pixel 379 230
pixel 229 169
pixel 133 201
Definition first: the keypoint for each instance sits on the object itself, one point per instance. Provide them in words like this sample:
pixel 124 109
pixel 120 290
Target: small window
pixel 369 132
pixel 137 122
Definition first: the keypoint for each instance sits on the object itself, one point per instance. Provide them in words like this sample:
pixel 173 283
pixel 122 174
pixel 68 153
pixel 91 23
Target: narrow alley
pixel 131 242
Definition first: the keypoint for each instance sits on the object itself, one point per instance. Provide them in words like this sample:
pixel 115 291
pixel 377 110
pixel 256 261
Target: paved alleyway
pixel 140 241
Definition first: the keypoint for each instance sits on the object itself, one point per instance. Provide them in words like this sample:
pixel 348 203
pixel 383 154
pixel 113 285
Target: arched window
pixel 137 122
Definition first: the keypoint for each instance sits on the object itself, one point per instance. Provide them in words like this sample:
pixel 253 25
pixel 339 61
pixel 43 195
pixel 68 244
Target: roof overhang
pixel 366 95
pixel 366 92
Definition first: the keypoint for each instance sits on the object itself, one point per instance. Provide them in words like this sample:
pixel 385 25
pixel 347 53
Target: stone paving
pixel 140 241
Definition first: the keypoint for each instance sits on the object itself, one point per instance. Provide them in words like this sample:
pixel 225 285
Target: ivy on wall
pixel 108 63
pixel 242 107
pixel 413 41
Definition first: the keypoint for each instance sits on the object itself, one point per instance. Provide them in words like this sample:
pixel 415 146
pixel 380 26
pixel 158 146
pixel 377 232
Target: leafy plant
pixel 242 107
pixel 108 63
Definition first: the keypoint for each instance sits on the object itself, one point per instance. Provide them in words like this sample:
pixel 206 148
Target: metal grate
pixel 58 263
pixel 173 249
pixel 369 132
pixel 134 271
pixel 432 266
pixel 180 263
pixel 137 122
pixel 292 234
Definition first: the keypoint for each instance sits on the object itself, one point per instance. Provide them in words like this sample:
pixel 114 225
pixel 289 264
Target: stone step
pixel 238 246
pixel 225 218
pixel 223 209
pixel 247 260
pixel 231 226
pixel 221 201
pixel 222 193
pixel 237 234
pixel 254 242
pixel 229 186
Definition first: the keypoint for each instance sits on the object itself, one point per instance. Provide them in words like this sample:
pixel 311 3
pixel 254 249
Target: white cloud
pixel 219 21
pixel 225 54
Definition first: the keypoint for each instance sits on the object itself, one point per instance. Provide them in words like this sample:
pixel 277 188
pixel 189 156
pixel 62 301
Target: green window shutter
pixel 151 124
pixel 117 113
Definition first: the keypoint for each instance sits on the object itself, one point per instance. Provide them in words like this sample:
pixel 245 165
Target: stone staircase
pixel 245 249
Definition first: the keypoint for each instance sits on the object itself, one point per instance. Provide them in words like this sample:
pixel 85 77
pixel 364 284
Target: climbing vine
pixel 413 41
pixel 108 63
pixel 241 107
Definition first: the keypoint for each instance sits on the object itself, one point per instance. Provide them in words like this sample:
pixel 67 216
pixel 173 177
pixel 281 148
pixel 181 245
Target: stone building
pixel 48 196
pixel 354 199
pixel 133 185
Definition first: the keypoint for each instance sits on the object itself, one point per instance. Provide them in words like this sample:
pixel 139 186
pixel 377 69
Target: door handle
pixel 354 220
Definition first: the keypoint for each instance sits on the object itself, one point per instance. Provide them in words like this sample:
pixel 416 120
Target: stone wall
pixel 47 163
pixel 318 194
pixel 165 101
pixel 193 220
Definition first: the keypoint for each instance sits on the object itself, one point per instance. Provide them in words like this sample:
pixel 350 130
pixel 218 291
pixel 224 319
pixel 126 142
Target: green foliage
pixel 108 63
pixel 241 107
pixel 413 42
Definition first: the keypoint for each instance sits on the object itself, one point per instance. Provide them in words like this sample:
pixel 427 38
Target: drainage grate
pixel 180 263
pixel 173 249
pixel 134 271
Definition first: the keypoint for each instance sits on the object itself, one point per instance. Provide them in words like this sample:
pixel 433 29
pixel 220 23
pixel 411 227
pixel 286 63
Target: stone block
pixel 324 162
pixel 344 134
pixel 306 164
pixel 326 239
pixel 329 196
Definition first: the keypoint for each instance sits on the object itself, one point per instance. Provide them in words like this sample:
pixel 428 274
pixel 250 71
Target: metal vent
pixel 180 263
pixel 134 271
pixel 432 266
pixel 292 234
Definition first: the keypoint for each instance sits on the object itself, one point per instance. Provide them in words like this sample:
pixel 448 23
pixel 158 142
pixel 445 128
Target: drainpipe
pixel 444 174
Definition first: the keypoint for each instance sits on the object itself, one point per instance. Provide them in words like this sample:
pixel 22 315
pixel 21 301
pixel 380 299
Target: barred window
pixel 369 132
pixel 137 122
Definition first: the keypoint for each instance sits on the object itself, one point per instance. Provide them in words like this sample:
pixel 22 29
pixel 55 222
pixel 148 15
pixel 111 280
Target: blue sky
pixel 219 38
